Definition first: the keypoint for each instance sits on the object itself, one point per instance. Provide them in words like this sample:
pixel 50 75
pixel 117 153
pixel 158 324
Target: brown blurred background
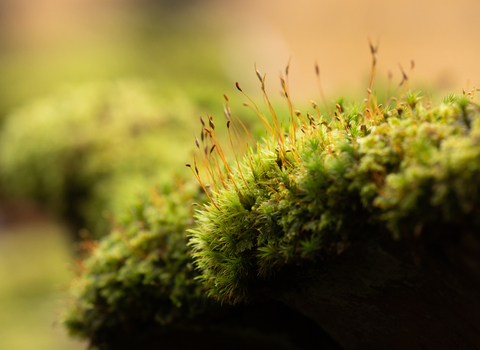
pixel 47 42
pixel 200 48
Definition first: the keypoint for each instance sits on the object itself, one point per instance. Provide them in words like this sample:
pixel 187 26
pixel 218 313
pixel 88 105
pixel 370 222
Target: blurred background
pixel 99 100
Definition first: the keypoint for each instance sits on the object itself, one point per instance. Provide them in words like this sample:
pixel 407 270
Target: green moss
pixel 398 171
pixel 87 151
pixel 141 276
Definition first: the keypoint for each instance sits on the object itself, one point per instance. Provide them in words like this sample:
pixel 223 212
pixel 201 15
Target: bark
pixel 396 295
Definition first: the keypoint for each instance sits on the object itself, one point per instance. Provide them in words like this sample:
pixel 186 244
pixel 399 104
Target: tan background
pixel 442 37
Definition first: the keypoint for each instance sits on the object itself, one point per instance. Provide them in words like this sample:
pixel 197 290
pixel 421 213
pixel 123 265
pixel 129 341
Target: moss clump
pixel 87 151
pixel 365 172
pixel 141 276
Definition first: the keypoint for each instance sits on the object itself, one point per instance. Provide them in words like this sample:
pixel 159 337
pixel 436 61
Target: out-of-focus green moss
pixel 178 47
pixel 87 151
pixel 141 275
pixel 407 169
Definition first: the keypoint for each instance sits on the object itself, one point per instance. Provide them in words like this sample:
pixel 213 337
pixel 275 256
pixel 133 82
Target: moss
pixel 141 276
pixel 86 151
pixel 360 174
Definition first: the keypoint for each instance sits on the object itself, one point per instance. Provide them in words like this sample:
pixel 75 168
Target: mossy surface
pixel 141 276
pixel 303 196
pixel 363 173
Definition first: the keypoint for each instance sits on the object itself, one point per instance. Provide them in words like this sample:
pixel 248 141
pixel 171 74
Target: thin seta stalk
pixel 197 176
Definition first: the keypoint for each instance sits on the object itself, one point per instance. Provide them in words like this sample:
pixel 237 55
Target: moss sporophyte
pixel 403 169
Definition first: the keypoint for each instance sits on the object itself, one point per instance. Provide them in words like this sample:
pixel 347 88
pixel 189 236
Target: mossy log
pixel 366 223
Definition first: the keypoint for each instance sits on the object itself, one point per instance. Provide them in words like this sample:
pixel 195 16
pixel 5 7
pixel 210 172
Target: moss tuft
pixel 363 172
pixel 141 276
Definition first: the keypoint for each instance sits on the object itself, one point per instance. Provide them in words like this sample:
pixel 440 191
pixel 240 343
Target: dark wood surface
pixel 397 295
